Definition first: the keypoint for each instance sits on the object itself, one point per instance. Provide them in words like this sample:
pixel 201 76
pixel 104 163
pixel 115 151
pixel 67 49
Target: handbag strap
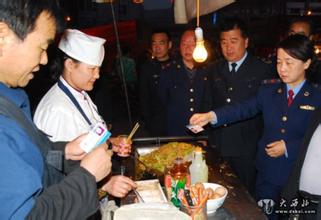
pixel 53 158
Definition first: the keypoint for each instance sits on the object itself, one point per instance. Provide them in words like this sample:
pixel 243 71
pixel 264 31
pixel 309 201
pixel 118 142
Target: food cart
pixel 238 205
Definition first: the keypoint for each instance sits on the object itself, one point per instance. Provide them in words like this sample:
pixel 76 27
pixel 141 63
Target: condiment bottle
pixel 177 177
pixel 198 169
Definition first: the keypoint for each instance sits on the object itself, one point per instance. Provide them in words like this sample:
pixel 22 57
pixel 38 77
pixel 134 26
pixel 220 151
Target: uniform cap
pixel 83 47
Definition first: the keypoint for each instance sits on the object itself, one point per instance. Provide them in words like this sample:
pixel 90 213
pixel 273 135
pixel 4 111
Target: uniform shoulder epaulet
pixel 265 60
pixel 317 86
pixel 271 81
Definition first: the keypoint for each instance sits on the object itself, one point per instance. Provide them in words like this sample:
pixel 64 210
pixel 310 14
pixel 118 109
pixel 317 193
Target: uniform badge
pixel 307 107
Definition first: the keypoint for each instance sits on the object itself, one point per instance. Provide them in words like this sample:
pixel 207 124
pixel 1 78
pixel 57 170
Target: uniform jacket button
pixel 282 130
pixel 191 90
pixel 191 100
pixel 228 100
pixel 284 118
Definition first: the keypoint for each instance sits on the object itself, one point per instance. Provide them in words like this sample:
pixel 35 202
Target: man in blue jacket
pixel 234 79
pixel 32 184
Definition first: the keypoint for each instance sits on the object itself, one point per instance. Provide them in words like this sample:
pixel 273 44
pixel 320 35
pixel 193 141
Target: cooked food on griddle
pixel 164 156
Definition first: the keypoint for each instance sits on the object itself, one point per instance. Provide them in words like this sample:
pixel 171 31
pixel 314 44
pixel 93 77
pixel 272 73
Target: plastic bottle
pixel 198 169
pixel 177 177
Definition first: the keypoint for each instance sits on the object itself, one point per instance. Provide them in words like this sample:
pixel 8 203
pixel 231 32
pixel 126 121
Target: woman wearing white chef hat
pixel 67 111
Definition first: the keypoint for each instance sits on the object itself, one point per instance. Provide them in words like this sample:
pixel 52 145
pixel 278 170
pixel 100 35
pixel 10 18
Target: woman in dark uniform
pixel 286 107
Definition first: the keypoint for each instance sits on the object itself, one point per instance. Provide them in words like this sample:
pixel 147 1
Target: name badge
pixel 307 107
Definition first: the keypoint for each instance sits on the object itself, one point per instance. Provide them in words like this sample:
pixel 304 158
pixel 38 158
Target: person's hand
pixel 119 186
pixel 73 151
pixel 275 149
pixel 121 145
pixel 201 119
pixel 98 162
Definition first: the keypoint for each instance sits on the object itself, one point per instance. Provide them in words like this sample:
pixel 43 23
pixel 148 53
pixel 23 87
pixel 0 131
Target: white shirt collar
pixel 239 63
pixel 78 95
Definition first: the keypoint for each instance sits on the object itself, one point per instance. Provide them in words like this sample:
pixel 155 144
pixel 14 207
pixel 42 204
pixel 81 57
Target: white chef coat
pixel 58 117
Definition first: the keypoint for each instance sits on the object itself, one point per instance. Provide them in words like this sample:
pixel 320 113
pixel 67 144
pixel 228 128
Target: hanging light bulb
pixel 199 53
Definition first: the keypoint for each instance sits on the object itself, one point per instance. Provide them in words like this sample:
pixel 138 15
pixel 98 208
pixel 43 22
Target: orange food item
pixel 199 186
pixel 210 192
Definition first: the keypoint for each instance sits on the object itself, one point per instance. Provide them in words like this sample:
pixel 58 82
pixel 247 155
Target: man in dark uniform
pixel 182 88
pixel 153 113
pixel 233 80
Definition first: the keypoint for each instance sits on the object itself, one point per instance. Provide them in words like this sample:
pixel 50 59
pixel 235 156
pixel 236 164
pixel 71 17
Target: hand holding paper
pixel 202 119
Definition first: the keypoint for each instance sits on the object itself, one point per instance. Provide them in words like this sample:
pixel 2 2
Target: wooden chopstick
pixel 133 131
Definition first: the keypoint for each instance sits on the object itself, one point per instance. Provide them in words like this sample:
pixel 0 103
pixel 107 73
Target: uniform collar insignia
pixel 165 65
pixel 280 90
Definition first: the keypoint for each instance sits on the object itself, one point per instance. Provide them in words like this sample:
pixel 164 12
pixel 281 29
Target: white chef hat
pixel 83 47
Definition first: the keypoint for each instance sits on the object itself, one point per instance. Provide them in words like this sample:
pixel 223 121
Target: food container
pixel 150 191
pixel 155 211
pixel 214 204
pixel 196 212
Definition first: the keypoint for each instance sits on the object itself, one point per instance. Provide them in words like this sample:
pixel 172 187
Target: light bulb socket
pixel 199 34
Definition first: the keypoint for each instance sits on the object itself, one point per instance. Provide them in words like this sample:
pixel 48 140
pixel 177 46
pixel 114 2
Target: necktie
pixel 290 97
pixel 233 71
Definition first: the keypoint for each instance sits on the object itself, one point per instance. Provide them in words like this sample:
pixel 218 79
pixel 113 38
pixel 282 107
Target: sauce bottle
pixel 177 177
pixel 198 169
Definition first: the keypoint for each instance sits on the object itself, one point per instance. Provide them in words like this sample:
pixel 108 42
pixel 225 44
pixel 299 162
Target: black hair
pixel 300 47
pixel 305 20
pixel 232 23
pixel 162 31
pixel 21 15
pixel 56 66
pixel 184 31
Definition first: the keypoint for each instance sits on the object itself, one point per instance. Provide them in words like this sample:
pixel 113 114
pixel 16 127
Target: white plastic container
pixel 198 169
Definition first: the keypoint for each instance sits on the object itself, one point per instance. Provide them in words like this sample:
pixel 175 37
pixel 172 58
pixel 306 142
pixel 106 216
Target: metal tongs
pixel 141 162
pixel 139 196
pixel 147 168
